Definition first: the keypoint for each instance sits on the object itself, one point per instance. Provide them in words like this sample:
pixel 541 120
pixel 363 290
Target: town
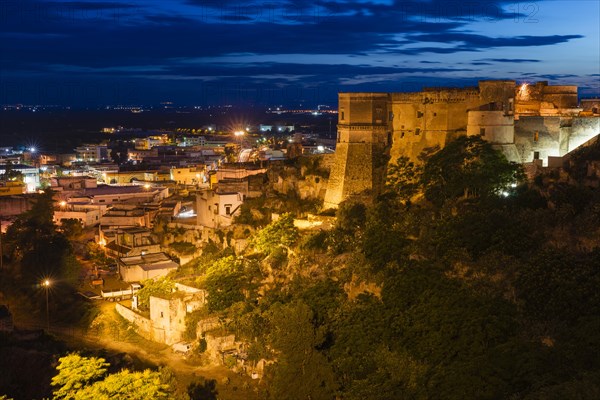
pixel 175 246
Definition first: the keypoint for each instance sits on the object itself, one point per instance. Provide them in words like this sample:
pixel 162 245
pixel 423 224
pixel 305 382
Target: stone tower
pixel 362 138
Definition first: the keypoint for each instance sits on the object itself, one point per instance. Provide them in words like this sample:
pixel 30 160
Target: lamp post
pixel 46 285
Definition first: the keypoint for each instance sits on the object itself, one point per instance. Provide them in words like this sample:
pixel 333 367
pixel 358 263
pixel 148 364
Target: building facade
pixel 525 122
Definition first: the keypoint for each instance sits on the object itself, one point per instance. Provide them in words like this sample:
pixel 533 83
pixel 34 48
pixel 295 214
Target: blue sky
pixel 267 52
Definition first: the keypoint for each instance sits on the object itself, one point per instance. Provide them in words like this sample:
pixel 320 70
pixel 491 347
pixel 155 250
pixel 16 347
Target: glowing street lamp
pixel 46 284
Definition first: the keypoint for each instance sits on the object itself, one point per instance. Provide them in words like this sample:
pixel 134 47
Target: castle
pixel 536 123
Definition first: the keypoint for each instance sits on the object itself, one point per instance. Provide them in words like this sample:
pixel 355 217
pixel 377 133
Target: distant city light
pixel 238 133
pixel 32 149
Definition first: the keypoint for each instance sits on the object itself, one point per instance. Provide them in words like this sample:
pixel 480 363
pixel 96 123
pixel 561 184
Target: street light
pixel 46 284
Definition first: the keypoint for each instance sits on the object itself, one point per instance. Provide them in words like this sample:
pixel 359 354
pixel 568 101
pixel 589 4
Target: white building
pixel 146 266
pixel 216 209
pixel 31 175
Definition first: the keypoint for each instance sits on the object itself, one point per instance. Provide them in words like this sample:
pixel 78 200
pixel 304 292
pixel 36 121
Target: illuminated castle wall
pixel 525 122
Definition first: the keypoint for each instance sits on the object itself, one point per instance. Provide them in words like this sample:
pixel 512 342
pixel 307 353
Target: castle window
pixel 435 114
pixel 482 131
pixel 342 116
pixel 536 155
pixel 390 116
pixel 401 135
pixel 536 136
pixel 419 114
pixel 417 132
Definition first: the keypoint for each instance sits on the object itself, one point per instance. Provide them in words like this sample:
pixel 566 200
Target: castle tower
pixel 363 135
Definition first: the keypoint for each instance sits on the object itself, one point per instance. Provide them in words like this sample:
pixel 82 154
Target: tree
pixel 76 372
pixel 86 378
pixel 404 178
pixel 225 282
pixel 280 233
pixel 468 167
pixel 34 241
pixel 301 371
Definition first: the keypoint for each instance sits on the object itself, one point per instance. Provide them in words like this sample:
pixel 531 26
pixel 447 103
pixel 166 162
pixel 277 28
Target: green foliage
pixel 34 242
pixel 191 323
pixel 225 282
pixel 301 371
pixel 71 227
pixel 467 167
pixel 82 378
pixel 253 212
pixel 159 288
pixel 404 178
pixel 280 233
pixel 183 248
pixel 562 286
pixel 75 373
pixel 314 241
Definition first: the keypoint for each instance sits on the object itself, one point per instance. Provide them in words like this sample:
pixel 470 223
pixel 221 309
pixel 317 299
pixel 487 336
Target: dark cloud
pixel 509 60
pixel 179 40
pixel 481 41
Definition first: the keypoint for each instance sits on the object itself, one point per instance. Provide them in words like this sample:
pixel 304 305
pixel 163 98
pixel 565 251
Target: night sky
pixel 252 52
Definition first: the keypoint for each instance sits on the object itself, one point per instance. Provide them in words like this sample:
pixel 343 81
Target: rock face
pixel 308 179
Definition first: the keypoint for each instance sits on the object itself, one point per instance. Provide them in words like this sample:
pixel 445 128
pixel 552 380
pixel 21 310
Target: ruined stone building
pixel 525 122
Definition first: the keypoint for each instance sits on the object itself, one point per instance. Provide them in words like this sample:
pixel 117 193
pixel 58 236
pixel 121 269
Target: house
pixel 216 209
pixel 167 322
pixel 87 214
pixel 168 313
pixel 127 242
pixel 31 175
pixel 127 215
pixel 145 266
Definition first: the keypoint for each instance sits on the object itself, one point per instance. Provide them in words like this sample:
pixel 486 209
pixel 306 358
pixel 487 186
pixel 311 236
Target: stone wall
pixel 143 325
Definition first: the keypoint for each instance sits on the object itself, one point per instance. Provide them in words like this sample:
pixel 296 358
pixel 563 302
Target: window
pixel 342 116
pixel 536 155
pixel 101 201
pixel 161 314
pixel 482 131
pixel 435 114
pixel 536 136
pixel 419 114
pixel 417 132
pixel 390 116
pixel 227 209
pixel 401 135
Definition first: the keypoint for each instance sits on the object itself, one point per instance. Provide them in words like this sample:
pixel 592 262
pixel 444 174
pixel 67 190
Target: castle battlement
pixel 527 122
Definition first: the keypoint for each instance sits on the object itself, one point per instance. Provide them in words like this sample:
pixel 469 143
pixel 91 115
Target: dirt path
pixel 229 384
